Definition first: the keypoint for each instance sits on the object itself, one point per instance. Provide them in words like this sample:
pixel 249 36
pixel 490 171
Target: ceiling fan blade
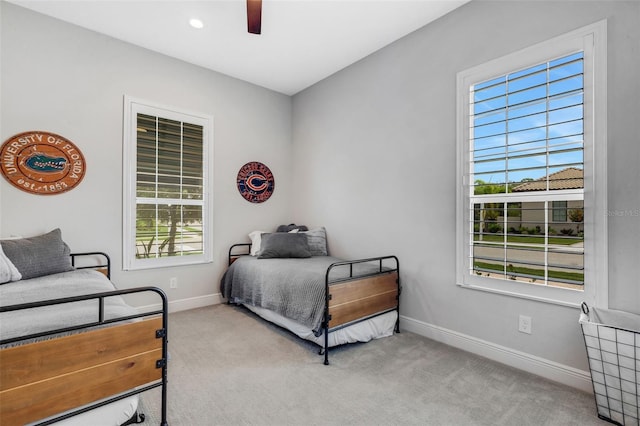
pixel 254 16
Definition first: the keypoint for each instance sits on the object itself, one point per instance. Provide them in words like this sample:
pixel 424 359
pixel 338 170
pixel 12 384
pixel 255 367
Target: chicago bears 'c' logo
pixel 255 182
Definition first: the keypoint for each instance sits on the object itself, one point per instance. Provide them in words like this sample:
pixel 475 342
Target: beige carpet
pixel 228 367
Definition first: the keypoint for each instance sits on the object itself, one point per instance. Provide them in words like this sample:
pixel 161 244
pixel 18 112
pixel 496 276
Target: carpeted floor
pixel 228 367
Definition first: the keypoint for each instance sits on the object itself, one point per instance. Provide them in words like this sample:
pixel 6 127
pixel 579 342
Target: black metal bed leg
pixel 165 356
pixel 326 342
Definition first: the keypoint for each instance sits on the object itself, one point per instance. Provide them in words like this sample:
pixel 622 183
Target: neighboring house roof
pixel 569 178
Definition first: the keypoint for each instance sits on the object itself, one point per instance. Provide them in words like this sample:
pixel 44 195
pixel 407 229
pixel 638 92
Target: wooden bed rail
pixel 112 361
pixel 357 298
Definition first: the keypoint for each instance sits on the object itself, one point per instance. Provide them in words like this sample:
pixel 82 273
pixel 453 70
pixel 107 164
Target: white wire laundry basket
pixel 612 340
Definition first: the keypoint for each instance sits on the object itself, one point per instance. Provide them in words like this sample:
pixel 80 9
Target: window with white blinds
pixel 529 163
pixel 526 158
pixel 166 206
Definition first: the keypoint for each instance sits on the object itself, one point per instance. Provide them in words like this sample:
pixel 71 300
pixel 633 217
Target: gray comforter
pixel 73 283
pixel 293 288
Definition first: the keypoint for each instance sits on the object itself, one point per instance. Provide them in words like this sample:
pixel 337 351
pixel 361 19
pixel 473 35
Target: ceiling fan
pixel 254 16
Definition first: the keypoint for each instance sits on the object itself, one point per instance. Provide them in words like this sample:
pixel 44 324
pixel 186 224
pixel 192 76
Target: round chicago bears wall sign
pixel 255 182
pixel 41 163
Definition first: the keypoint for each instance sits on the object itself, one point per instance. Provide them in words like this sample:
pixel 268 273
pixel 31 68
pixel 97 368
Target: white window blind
pixel 169 187
pixel 527 158
pixel 167 207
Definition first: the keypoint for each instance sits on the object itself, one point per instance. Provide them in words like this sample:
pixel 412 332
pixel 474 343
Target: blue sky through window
pixel 529 124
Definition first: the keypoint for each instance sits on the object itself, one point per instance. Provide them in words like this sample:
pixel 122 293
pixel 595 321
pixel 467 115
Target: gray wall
pixel 64 79
pixel 371 157
pixel 375 162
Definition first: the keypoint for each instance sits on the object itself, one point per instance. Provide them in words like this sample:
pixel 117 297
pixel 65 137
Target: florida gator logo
pixel 255 182
pixel 41 162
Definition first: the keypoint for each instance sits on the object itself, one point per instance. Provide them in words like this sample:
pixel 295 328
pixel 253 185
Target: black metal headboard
pixel 234 255
pixel 103 265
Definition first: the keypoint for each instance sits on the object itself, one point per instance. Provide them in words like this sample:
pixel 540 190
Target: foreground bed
pixel 320 298
pixel 74 353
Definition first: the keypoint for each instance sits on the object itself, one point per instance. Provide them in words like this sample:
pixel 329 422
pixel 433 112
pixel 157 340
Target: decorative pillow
pixel 256 238
pixel 8 271
pixel 291 227
pixel 284 245
pixel 37 256
pixel 317 240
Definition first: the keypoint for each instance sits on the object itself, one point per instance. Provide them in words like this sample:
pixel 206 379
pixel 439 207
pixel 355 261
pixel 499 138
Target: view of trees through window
pixel 169 188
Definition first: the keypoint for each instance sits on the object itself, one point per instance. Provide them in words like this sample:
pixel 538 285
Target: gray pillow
pixel 317 240
pixel 37 256
pixel 291 227
pixel 283 245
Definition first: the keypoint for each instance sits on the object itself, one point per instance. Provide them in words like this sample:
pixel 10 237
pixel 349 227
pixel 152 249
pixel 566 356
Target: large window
pixel 166 202
pixel 531 152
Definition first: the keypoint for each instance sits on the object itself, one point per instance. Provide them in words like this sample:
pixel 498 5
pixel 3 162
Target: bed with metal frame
pixel 351 299
pixel 67 372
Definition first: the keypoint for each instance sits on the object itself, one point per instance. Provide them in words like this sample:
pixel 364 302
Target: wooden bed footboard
pixel 123 357
pixel 362 298
pixel 358 298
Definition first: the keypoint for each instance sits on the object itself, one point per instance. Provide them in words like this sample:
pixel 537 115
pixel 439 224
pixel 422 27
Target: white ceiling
pixel 302 41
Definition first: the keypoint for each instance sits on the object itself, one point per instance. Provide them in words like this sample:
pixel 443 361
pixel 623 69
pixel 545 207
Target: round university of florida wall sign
pixel 255 182
pixel 42 163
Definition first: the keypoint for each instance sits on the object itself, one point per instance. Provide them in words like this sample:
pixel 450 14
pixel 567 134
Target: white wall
pixel 372 159
pixel 67 80
pixel 375 162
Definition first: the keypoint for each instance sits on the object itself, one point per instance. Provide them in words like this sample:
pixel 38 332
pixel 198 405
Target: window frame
pixel 133 106
pixel 559 211
pixel 591 39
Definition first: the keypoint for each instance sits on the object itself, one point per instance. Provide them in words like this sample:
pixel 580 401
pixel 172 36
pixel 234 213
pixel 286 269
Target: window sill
pixel 143 264
pixel 537 292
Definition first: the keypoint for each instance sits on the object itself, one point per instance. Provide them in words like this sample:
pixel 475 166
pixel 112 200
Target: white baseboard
pixel 185 304
pixel 551 370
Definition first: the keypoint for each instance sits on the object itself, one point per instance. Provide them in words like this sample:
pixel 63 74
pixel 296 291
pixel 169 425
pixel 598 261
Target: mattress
pixel 46 318
pixel 113 414
pixel 363 331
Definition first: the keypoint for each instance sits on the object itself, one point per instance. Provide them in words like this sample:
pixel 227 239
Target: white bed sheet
pixel 113 414
pixel 364 331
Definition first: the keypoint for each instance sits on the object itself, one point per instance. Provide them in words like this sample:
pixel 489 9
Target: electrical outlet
pixel 173 282
pixel 524 324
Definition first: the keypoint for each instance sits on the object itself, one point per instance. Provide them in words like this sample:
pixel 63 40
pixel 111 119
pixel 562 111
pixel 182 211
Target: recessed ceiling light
pixel 196 23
